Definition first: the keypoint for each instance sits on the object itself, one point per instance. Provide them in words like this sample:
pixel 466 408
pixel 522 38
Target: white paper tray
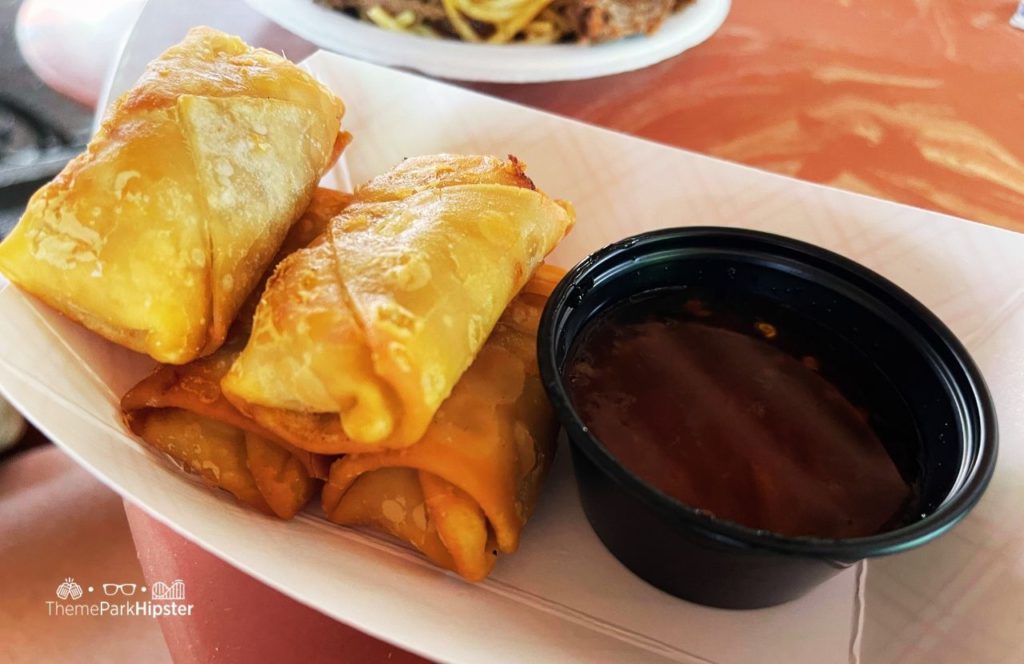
pixel 562 597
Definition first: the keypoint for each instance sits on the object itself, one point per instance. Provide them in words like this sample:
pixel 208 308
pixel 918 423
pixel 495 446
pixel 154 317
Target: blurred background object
pixel 72 46
pixel 12 426
pixel 40 129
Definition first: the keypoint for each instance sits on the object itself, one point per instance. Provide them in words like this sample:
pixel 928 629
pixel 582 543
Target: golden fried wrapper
pixel 181 411
pixel 465 490
pixel 360 338
pixel 159 231
pixel 391 500
pixel 323 207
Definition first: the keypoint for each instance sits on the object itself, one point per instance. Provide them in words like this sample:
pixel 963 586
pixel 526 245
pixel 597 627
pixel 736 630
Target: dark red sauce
pixel 729 407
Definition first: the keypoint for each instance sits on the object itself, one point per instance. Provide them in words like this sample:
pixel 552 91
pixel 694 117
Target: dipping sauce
pixel 744 410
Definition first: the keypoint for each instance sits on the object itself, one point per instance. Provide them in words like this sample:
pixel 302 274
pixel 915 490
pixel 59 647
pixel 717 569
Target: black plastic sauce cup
pixel 693 555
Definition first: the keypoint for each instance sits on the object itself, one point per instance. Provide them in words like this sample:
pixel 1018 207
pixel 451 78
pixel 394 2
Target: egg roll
pixel 157 233
pixel 359 339
pixel 465 490
pixel 180 410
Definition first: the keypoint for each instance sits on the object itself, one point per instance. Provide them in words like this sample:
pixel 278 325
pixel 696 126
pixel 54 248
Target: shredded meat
pixel 604 20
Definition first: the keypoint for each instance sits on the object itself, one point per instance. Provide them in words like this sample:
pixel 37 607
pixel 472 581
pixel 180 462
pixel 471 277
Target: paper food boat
pixel 562 597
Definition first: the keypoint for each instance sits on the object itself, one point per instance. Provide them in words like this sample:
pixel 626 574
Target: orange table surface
pixel 917 102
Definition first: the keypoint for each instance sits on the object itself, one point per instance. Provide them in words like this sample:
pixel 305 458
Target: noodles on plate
pixel 519 21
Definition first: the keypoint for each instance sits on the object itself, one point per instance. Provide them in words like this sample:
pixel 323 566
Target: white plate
pixel 562 597
pixel 508 63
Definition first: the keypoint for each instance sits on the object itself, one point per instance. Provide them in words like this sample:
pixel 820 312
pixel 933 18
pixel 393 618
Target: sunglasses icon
pixel 127 589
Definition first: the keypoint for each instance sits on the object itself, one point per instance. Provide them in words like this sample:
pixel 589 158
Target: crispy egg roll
pixel 464 491
pixel 323 207
pixel 359 338
pixel 181 411
pixel 157 233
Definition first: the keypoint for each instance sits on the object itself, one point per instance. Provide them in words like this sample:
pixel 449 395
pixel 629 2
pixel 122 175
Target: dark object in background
pixel 40 130
pixel 31 437
pixel 32 151
pixel 710 561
